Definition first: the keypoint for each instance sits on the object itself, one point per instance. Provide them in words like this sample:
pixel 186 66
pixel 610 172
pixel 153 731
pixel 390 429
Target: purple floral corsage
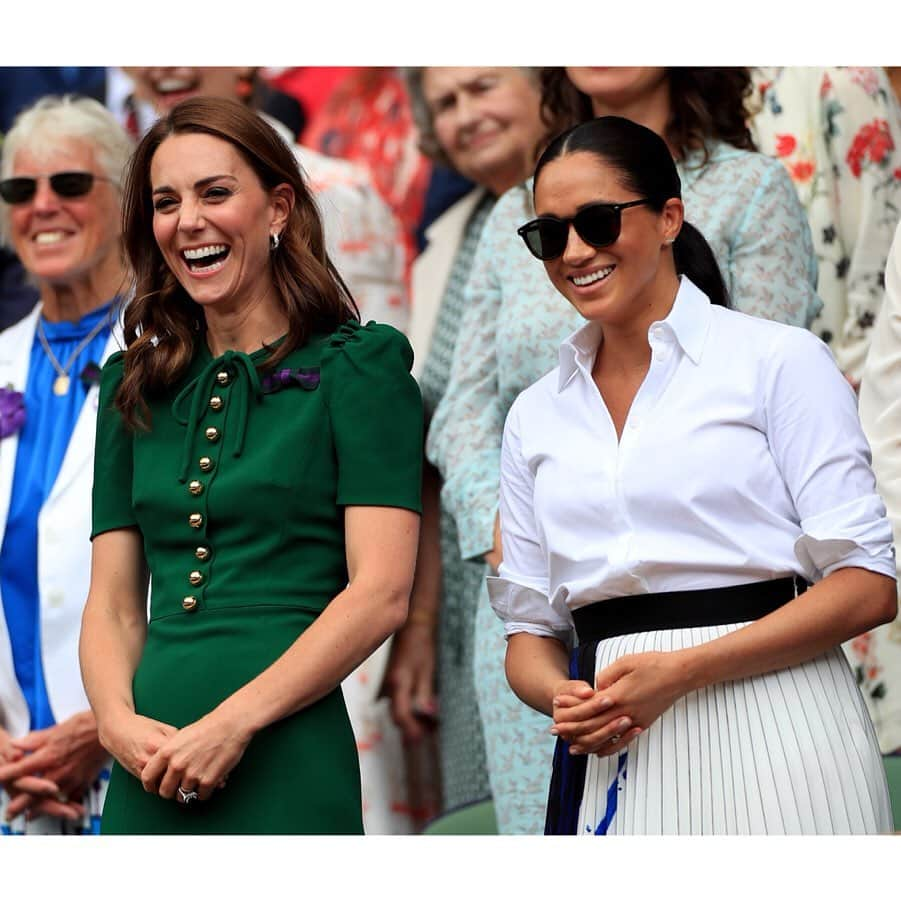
pixel 12 411
pixel 308 379
pixel 90 375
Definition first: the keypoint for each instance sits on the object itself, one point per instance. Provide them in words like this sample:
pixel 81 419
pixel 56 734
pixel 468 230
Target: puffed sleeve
pixel 520 593
pixel 818 444
pixel 113 458
pixel 375 410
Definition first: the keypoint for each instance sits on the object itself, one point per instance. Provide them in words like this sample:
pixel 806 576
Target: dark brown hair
pixel 707 103
pixel 163 324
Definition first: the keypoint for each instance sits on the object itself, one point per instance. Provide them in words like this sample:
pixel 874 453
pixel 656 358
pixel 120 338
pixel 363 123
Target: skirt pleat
pixel 786 753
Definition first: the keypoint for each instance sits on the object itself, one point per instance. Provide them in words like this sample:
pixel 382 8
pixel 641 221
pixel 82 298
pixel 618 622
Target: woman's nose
pixel 190 217
pixel 46 200
pixel 577 250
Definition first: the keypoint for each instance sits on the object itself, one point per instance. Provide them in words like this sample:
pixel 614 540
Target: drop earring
pixel 274 242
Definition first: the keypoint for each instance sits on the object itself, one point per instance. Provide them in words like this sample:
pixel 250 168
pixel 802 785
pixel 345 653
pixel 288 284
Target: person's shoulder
pixel 513 208
pixel 765 340
pixel 533 403
pixel 12 336
pixel 112 372
pixel 372 344
pixel 736 163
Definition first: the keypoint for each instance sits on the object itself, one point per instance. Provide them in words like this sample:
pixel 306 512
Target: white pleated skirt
pixel 790 752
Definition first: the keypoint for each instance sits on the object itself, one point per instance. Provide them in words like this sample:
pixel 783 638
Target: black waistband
pixel 684 609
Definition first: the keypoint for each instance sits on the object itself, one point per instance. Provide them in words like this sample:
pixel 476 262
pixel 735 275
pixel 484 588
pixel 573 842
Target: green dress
pixel 238 490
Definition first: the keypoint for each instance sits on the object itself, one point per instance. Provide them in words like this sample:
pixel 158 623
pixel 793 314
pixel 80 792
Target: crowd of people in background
pixel 419 183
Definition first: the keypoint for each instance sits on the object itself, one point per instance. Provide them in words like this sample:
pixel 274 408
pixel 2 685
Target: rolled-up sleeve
pixel 519 595
pixel 819 446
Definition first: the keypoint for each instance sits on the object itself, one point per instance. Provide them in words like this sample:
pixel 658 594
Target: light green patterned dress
pixel 464 772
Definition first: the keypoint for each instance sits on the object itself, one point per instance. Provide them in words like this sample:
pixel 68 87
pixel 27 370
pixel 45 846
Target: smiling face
pixel 58 239
pixel 165 86
pixel 487 121
pixel 627 281
pixel 213 219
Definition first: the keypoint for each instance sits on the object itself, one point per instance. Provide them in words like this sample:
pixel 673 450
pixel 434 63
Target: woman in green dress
pixel 258 458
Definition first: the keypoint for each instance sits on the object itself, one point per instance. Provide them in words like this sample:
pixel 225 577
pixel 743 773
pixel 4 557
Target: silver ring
pixel 613 740
pixel 187 797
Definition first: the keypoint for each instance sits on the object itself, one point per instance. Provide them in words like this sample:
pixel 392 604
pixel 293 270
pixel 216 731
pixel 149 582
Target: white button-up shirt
pixel 742 459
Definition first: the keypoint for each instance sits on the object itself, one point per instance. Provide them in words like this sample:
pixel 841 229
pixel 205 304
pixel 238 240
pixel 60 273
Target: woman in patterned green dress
pixel 258 456
pixel 484 123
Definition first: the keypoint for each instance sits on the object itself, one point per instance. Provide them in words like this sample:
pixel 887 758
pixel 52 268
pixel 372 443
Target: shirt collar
pixel 688 320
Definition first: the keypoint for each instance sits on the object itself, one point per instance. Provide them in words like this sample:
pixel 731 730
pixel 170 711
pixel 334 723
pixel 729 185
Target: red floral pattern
pixel 873 141
pixel 785 145
pixel 802 170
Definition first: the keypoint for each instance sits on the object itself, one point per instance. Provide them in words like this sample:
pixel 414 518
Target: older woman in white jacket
pixel 60 211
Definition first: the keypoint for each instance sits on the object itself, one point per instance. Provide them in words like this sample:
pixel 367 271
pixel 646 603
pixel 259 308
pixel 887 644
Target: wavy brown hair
pixel 163 325
pixel 707 104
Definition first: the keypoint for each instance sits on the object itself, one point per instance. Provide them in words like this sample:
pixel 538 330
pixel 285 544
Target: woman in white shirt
pixel 667 493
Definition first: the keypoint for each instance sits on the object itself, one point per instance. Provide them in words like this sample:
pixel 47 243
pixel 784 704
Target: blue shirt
pixel 49 422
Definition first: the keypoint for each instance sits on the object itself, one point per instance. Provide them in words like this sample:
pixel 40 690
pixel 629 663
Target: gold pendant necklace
pixel 63 382
pixel 61 385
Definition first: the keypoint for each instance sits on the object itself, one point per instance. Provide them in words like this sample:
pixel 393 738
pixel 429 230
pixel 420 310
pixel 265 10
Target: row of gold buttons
pixel 196 488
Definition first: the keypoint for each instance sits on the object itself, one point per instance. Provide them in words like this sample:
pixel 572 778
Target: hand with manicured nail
pixel 631 693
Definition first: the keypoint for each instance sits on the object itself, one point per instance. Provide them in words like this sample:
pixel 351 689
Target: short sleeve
pixel 519 595
pixel 113 457
pixel 817 441
pixel 375 410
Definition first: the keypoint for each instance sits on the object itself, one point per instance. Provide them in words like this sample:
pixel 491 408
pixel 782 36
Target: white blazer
pixel 64 547
pixel 431 270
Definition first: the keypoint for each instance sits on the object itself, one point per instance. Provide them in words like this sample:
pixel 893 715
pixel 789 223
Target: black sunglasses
pixel 22 188
pixel 598 224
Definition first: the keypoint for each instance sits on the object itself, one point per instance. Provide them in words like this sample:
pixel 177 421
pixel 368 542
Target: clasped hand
pixel 195 758
pixel 48 771
pixel 629 695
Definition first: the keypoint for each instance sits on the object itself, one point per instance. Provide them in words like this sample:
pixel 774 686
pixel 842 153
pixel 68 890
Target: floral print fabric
pixel 836 131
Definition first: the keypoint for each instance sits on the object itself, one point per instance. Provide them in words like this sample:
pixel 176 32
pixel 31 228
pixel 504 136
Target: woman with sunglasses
pixel 747 208
pixel 60 211
pixel 667 494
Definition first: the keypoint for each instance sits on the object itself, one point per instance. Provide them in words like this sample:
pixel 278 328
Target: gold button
pixel 195 520
pixel 206 464
pixel 216 402
pixel 189 603
pixel 195 487
pixel 222 377
pixel 195 577
pixel 202 553
pixel 212 433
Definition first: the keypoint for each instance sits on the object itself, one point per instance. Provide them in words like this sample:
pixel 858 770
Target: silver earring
pixel 274 241
pixel 669 240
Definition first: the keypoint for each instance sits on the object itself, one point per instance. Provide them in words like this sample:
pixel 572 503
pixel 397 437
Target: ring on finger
pixel 614 739
pixel 187 797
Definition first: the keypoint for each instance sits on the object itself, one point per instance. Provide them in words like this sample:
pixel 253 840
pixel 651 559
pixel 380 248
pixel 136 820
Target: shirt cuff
pixel 855 534
pixel 522 608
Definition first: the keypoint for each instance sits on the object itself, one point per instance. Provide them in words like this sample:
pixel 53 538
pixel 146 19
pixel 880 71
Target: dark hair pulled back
pixel 707 103
pixel 646 168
